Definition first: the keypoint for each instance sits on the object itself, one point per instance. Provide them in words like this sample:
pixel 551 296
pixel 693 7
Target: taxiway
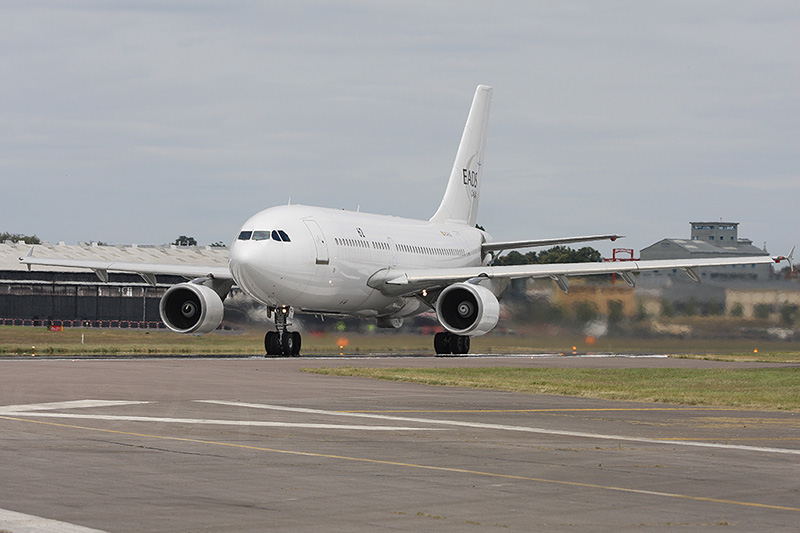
pixel 183 444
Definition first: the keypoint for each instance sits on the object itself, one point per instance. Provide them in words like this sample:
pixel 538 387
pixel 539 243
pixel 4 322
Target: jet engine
pixel 191 308
pixel 466 309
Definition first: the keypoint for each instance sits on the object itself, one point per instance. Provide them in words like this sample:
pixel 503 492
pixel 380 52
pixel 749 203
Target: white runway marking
pixel 25 523
pixel 502 427
pixel 76 404
pixel 38 411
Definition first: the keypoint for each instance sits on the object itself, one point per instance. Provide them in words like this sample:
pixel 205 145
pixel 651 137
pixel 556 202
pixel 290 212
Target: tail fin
pixel 460 202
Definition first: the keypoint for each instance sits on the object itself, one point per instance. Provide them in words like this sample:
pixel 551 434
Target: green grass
pixel 75 341
pixel 770 388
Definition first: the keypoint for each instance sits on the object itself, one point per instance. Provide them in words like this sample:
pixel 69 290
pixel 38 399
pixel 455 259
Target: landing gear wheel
pixel 287 346
pixel 461 345
pixel 441 343
pixel 271 343
pixel 446 343
pixel 296 341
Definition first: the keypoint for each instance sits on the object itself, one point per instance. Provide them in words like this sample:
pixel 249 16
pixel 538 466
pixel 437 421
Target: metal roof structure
pixel 697 248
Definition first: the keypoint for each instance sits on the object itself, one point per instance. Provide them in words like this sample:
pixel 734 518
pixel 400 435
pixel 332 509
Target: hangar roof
pixel 189 255
pixel 702 248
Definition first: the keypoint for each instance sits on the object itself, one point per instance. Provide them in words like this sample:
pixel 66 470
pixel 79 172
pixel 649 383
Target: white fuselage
pixel 331 254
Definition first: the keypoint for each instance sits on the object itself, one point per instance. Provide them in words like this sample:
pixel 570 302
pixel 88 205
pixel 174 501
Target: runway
pixel 184 444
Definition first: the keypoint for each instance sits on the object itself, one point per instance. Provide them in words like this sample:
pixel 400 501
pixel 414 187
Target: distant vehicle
pixel 296 258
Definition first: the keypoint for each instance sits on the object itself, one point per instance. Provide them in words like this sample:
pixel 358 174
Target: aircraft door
pixel 393 251
pixel 319 242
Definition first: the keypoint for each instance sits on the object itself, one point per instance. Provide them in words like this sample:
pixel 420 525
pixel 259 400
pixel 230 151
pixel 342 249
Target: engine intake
pixel 190 308
pixel 466 309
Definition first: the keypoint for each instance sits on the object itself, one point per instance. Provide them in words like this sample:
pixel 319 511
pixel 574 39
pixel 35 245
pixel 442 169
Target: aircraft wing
pixel 400 281
pixel 148 271
pixel 533 243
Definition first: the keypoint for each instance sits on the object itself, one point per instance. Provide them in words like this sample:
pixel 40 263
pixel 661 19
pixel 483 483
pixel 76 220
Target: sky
pixel 139 121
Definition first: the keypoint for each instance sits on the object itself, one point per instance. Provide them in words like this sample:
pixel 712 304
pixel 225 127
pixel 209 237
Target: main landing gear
pixel 282 341
pixel 446 343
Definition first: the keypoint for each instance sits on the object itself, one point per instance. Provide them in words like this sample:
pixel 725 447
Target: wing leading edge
pixel 398 282
pixel 148 271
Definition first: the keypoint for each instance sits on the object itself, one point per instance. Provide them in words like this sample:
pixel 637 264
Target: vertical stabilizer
pixel 460 202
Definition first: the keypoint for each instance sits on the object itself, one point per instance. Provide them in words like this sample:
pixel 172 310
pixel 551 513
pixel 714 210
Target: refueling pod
pixel 191 308
pixel 467 309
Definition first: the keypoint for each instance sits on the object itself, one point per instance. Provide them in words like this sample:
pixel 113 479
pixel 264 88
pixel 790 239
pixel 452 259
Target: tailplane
pixel 460 202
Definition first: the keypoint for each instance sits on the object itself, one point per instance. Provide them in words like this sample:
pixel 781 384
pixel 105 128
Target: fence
pixel 107 324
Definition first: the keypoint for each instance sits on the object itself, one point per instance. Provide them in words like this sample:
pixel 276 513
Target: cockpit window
pixel 265 235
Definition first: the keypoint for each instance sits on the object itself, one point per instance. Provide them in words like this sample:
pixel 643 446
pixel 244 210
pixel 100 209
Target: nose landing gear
pixel 282 341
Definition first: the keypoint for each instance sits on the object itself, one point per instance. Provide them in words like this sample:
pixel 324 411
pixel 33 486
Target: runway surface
pixel 184 444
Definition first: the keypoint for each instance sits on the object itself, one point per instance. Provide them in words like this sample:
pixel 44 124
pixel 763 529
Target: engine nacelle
pixel 466 309
pixel 190 308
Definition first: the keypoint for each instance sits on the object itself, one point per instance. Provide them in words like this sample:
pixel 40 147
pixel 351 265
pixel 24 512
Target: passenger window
pixel 245 235
pixel 261 235
pixel 284 237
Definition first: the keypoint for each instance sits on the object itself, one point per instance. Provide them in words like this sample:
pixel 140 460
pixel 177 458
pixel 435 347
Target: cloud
pixel 605 116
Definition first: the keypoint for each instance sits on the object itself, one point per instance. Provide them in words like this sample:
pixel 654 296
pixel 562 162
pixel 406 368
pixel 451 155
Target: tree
pixel 218 244
pixel 586 311
pixel 762 311
pixel 183 240
pixel 17 237
pixel 515 258
pixel 616 315
pixel 788 314
pixel 556 254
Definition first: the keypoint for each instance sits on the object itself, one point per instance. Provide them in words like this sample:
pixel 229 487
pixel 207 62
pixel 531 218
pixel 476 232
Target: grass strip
pixel 762 388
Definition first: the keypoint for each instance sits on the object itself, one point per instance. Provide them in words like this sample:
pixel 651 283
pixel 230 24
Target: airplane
pixel 323 261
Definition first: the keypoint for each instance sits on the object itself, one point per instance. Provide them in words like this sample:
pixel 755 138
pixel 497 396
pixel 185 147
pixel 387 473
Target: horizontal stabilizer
pixel 534 243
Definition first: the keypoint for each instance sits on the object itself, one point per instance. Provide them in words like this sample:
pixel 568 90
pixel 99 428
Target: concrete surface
pixel 183 444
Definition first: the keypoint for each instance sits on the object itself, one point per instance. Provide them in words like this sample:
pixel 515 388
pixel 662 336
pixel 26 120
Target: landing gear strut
pixel 282 341
pixel 446 343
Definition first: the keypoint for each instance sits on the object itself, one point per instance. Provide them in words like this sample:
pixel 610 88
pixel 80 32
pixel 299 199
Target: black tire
pixel 287 347
pixel 297 340
pixel 461 344
pixel 441 343
pixel 271 343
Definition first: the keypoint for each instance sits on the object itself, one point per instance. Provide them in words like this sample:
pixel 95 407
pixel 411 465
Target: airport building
pixel 710 239
pixel 734 289
pixel 71 297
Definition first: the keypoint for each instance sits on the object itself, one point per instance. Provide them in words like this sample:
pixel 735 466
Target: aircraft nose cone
pixel 243 263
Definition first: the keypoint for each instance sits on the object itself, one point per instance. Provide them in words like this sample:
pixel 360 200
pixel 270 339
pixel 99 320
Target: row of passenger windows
pixel 265 235
pixel 429 250
pixel 361 243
